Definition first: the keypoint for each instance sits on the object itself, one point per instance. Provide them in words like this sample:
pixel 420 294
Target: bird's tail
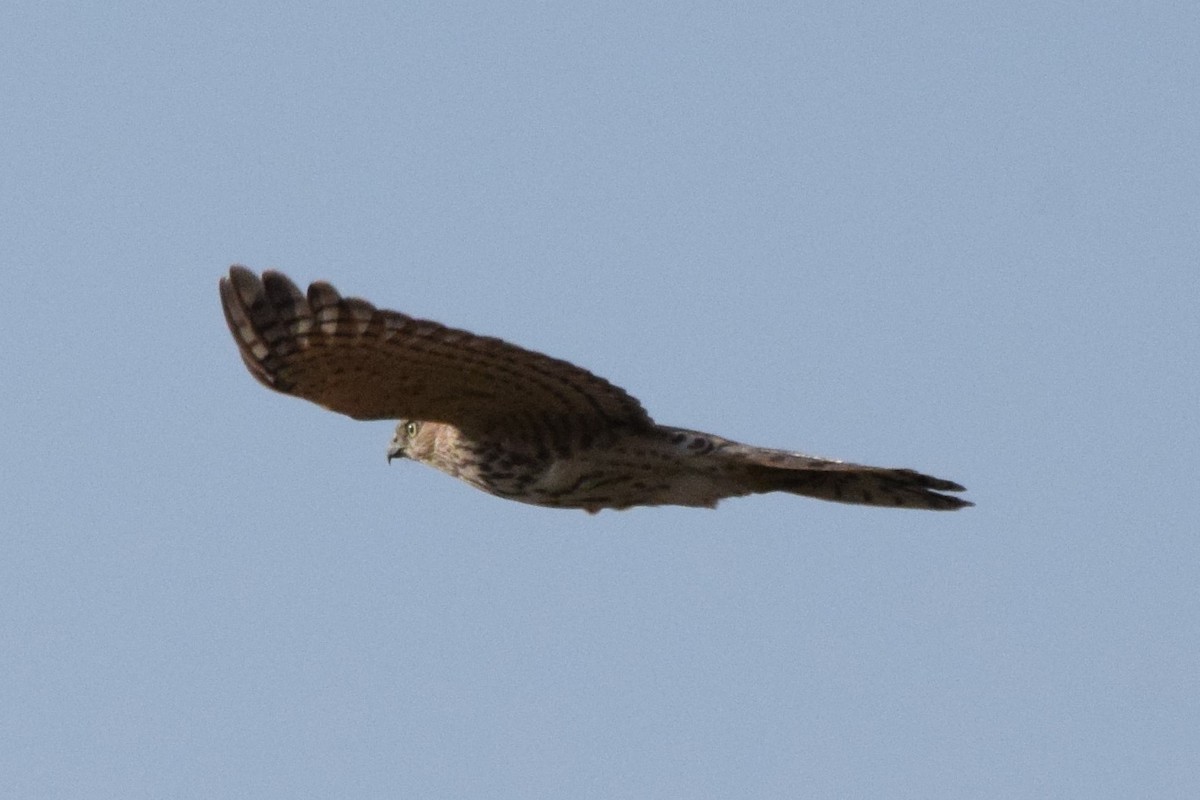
pixel 780 471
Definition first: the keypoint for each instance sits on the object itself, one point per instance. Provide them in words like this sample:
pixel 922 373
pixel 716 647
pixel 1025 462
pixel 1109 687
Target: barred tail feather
pixel 778 471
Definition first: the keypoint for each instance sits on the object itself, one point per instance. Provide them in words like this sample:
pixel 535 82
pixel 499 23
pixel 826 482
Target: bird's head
pixel 404 441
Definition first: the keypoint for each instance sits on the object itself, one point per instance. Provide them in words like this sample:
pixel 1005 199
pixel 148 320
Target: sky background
pixel 959 237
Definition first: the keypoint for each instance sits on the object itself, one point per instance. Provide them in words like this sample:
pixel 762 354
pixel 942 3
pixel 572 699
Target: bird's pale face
pixel 405 442
pixel 432 443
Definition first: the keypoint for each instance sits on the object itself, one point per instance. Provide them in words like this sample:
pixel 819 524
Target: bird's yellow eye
pixel 411 429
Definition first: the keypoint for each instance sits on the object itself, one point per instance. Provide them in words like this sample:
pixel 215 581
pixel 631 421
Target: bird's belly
pixel 608 480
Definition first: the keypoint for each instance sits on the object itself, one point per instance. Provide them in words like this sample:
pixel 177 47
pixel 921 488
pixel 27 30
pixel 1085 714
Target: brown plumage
pixel 516 423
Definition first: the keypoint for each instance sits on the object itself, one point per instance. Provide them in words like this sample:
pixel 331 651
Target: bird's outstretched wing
pixel 346 355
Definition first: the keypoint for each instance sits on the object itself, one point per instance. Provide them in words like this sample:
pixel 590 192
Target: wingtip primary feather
pixel 251 315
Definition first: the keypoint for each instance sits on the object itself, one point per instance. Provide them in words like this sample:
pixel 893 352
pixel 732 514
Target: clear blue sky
pixel 959 237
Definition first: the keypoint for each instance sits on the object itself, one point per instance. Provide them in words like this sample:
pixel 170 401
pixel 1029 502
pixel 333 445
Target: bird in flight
pixel 515 423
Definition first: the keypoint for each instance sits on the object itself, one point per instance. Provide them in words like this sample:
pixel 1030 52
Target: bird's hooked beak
pixel 395 451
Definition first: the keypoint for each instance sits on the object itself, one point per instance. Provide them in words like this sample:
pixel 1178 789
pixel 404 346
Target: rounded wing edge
pixel 350 357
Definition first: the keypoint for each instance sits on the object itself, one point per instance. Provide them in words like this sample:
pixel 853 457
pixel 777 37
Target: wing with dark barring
pixel 348 356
